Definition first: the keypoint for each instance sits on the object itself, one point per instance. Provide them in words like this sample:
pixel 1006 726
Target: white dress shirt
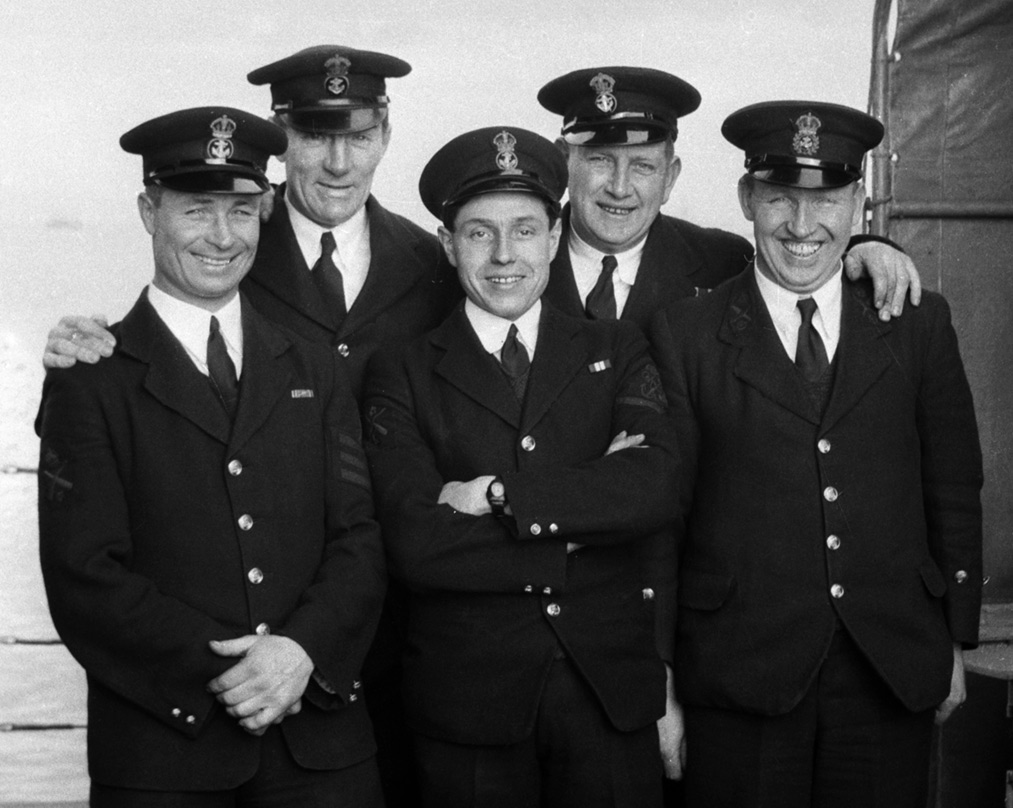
pixel 191 325
pixel 783 308
pixel 352 253
pixel 586 263
pixel 492 330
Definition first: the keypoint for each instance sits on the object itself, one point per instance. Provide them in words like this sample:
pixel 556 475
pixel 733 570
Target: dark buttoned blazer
pixel 494 598
pixel 161 529
pixel 680 260
pixel 410 287
pixel 879 496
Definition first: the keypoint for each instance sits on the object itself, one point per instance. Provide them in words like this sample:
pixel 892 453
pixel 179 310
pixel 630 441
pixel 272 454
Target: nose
pixel 220 232
pixel 336 159
pixel 619 181
pixel 801 222
pixel 503 250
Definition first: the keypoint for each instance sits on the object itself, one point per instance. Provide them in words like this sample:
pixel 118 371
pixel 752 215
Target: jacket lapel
pixel 562 287
pixel 281 268
pixel 861 355
pixel 395 267
pixel 265 376
pixel 666 265
pixel 559 356
pixel 762 362
pixel 466 365
pixel 172 378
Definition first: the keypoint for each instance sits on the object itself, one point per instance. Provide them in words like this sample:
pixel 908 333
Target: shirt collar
pixel 627 262
pixel 492 330
pixel 783 304
pixel 349 235
pixel 191 324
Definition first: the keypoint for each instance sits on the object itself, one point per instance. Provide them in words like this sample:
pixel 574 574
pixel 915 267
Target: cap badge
pixel 806 142
pixel 337 74
pixel 506 157
pixel 220 148
pixel 603 84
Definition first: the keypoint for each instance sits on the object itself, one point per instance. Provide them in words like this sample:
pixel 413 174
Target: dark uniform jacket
pixel 495 598
pixel 162 529
pixel 409 288
pixel 679 260
pixel 869 515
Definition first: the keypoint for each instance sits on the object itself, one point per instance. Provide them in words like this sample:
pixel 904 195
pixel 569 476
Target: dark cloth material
pixel 221 370
pixel 410 288
pixel 810 352
pixel 516 363
pixel 601 300
pixel 814 507
pixel 848 743
pixel 143 484
pixel 679 260
pixel 279 783
pixel 492 599
pixel 573 759
pixel 328 279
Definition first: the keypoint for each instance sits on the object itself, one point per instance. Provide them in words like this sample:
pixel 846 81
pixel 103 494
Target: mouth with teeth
pixel 613 211
pixel 215 263
pixel 505 280
pixel 802 249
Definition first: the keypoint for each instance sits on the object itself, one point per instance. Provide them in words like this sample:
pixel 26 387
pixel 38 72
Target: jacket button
pixel 837 591
pixel 344 350
pixel 833 542
pixel 823 446
pixel 529 588
pixel 648 594
pixel 245 522
pixel 536 529
pixel 263 629
pixel 528 443
pixel 235 468
pixel 547 590
pixel 176 712
pixel 830 494
pixel 553 528
pixel 960 576
pixel 191 720
pixel 255 576
pixel 553 610
pixel 353 697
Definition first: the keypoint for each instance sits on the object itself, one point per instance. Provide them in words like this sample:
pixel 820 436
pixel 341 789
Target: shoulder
pixel 708 237
pixel 398 226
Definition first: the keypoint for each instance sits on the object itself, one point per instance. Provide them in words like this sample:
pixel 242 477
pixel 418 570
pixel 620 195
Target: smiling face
pixel 329 176
pixel 616 192
pixel 800 233
pixel 203 243
pixel 502 245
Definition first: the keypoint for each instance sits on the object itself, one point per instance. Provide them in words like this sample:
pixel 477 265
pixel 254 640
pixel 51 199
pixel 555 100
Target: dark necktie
pixel 516 363
pixel 601 303
pixel 221 371
pixel 328 278
pixel 810 354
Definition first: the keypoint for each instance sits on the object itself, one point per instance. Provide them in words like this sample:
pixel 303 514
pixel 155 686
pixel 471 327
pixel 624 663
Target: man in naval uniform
pixel 830 563
pixel 206 524
pixel 524 468
pixel 620 256
pixel 337 268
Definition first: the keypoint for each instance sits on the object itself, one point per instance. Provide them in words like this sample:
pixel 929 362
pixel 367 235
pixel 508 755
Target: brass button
pixel 553 610
pixel 191 720
pixel 547 590
pixel 837 591
pixel 960 576
pixel 528 443
pixel 263 629
pixel 833 542
pixel 648 594
pixel 536 529
pixel 255 576
pixel 344 350
pixel 235 468
pixel 823 446
pixel 830 494
pixel 529 588
pixel 553 528
pixel 176 712
pixel 245 522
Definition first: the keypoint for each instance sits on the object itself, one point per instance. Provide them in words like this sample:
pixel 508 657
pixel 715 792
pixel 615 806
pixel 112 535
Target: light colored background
pixel 75 75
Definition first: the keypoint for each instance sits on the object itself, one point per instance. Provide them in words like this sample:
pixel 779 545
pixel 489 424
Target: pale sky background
pixel 76 75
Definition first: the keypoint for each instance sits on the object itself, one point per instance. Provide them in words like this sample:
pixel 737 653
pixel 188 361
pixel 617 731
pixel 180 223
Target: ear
pixel 564 148
pixel 554 237
pixel 745 198
pixel 671 175
pixel 279 122
pixel 858 219
pixel 447 240
pixel 146 207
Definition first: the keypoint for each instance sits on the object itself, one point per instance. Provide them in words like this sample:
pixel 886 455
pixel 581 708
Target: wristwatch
pixel 496 494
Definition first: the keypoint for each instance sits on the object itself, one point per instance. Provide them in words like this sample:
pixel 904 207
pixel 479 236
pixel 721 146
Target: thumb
pixel 233 648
